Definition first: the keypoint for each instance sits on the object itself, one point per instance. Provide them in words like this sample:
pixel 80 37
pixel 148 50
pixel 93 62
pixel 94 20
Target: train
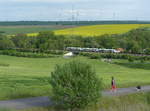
pixel 79 49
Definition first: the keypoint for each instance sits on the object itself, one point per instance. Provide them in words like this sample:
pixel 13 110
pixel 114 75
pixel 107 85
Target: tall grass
pixel 133 102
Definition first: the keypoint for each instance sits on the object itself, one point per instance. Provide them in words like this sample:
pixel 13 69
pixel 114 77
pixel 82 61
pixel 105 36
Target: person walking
pixel 113 85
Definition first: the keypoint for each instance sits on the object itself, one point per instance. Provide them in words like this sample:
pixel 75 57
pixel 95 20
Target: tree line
pixel 134 41
pixel 20 23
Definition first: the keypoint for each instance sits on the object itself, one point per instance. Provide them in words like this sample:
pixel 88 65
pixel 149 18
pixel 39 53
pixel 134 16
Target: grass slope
pixel 25 77
pixel 96 30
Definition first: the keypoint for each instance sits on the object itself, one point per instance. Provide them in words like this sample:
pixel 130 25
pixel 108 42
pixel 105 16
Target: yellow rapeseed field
pixel 32 34
pixel 96 30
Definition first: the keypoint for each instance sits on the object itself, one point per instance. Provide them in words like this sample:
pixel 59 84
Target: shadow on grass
pixel 134 65
pixel 45 109
pixel 5 109
pixel 13 80
pixel 13 87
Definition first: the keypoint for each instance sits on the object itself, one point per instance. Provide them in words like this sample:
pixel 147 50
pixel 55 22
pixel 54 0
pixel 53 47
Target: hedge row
pixel 56 52
pixel 114 56
pixel 25 54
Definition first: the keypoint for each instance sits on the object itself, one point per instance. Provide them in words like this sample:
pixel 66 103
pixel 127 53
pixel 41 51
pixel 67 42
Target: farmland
pixel 90 30
pixel 27 73
pixel 26 77
pixel 97 30
pixel 30 28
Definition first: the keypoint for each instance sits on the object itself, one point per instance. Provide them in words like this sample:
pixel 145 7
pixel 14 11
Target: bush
pixel 75 85
pixel 147 51
pixel 25 54
pixel 131 59
pixel 95 56
pixel 55 52
pixel 143 59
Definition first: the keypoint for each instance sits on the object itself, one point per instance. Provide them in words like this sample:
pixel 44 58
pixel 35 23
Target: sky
pixel 60 10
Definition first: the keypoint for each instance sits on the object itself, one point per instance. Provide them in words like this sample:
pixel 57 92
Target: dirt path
pixel 45 101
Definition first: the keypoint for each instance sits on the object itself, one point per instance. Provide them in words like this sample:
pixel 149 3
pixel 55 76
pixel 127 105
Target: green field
pixel 91 30
pixel 30 28
pixel 25 77
pixel 96 30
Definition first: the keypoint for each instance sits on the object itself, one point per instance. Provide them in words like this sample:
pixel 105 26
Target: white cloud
pixel 83 9
pixel 48 1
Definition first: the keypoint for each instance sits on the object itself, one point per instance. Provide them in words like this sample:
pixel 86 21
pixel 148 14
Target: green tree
pixel 48 41
pixel 42 38
pixel 147 51
pixel 107 41
pixel 6 43
pixel 90 42
pixel 20 40
pixel 75 85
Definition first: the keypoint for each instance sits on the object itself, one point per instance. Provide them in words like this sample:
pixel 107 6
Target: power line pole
pixel 72 19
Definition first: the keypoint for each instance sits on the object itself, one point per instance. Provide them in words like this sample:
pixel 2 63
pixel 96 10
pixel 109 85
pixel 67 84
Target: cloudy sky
pixel 16 10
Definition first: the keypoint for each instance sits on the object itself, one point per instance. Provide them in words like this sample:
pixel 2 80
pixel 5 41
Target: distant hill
pixel 12 23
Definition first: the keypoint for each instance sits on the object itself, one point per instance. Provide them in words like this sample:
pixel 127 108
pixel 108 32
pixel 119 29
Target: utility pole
pixel 72 19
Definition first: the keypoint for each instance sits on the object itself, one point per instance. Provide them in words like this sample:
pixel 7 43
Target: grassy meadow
pixel 28 77
pixel 96 30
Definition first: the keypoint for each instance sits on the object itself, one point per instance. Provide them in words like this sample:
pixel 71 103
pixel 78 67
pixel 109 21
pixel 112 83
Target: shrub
pixel 142 59
pixel 56 52
pixel 25 54
pixel 131 59
pixel 95 56
pixel 75 85
pixel 147 51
